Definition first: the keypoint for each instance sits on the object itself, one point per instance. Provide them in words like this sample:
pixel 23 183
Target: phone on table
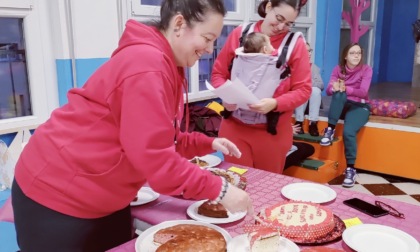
pixel 366 207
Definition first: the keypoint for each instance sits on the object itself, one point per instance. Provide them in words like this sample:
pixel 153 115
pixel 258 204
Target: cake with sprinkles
pixel 301 220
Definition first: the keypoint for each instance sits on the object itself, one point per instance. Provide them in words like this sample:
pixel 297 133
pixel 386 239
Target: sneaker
pixel 313 129
pixel 350 177
pixel 328 137
pixel 300 124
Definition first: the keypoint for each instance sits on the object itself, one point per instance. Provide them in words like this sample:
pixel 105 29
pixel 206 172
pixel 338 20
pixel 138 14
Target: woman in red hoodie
pixel 76 177
pixel 259 148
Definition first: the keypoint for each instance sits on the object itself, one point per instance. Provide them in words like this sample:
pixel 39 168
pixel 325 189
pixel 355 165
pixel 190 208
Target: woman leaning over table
pixel 349 86
pixel 259 148
pixel 81 169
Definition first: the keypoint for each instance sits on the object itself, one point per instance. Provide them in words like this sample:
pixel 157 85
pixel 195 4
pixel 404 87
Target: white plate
pixel 212 160
pixel 145 195
pixel 145 240
pixel 240 243
pixel 309 192
pixel 374 237
pixel 192 211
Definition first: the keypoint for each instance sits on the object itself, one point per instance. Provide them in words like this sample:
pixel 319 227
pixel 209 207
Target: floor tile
pixel 338 180
pixel 357 188
pixel 403 198
pixel 416 196
pixel 409 188
pixel 383 189
pixel 364 178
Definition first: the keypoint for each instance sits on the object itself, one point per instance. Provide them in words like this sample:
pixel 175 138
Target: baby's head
pixel 257 42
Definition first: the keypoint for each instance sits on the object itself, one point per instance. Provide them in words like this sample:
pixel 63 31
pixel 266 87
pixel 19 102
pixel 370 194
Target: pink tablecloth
pixel 264 188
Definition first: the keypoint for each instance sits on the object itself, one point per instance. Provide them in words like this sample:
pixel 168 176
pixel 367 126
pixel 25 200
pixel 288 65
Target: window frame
pixel 43 90
pixel 372 30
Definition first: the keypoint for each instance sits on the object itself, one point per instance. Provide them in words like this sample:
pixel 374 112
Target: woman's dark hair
pixel 296 4
pixel 344 54
pixel 191 10
pixel 254 42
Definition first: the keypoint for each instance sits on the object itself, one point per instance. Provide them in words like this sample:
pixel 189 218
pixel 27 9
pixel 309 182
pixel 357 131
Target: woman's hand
pixel 226 147
pixel 295 129
pixel 336 86
pixel 237 200
pixel 342 86
pixel 264 106
pixel 230 107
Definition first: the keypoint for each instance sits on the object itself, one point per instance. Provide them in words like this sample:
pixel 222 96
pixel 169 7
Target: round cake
pixel 187 237
pixel 302 220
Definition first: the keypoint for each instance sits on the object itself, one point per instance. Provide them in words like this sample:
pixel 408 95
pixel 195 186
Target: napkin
pixel 238 170
pixel 352 222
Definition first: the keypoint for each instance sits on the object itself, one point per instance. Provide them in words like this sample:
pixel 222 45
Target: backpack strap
pixel 245 30
pixel 289 42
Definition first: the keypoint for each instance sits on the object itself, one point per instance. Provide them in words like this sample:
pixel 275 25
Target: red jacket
pixel 117 132
pixel 293 92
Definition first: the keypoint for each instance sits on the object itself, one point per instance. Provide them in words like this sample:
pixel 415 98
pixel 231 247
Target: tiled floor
pixel 395 188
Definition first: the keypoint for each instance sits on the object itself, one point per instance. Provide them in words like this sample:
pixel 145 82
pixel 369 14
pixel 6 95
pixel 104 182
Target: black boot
pixel 313 129
pixel 300 124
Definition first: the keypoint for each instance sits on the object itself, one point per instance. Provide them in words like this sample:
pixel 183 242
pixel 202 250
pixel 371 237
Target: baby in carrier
pixel 255 65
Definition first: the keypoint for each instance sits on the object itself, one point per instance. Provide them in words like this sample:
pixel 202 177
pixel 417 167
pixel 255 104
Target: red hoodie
pixel 117 132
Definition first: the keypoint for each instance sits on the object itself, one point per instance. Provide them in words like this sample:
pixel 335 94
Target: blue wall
pixel 84 69
pixel 327 36
pixel 397 47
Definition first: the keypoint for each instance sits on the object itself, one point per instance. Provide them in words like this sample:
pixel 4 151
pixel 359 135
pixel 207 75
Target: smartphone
pixel 366 207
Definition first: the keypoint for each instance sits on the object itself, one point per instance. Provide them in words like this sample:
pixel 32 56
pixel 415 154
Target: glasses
pixel 281 20
pixel 392 211
pixel 355 53
pixel 310 51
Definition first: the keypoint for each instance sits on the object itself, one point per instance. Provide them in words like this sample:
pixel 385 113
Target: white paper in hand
pixel 234 92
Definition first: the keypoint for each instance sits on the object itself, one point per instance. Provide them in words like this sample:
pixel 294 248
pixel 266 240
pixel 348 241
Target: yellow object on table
pixel 352 222
pixel 238 170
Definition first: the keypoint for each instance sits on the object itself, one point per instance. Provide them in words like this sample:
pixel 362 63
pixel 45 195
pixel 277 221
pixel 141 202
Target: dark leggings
pixel 39 228
pixel 304 150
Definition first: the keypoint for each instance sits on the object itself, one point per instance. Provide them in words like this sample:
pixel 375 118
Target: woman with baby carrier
pixel 261 146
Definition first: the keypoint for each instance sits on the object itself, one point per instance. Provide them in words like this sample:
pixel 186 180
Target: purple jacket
pixel 357 82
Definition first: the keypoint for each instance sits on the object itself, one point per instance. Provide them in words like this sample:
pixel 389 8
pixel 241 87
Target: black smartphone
pixel 366 207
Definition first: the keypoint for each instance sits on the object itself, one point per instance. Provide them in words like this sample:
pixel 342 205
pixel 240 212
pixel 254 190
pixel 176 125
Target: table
pixel 264 189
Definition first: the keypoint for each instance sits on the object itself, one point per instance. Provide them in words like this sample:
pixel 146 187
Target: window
pixel 239 11
pixel 14 96
pixel 27 94
pixel 366 40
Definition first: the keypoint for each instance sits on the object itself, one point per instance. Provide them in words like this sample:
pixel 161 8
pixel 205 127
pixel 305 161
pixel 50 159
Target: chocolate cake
pixel 212 210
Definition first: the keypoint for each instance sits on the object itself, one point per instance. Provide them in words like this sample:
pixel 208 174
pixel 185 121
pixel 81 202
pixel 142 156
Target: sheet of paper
pixel 238 170
pixel 352 222
pixel 234 92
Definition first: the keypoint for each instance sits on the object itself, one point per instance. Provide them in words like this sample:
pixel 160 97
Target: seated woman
pixel 349 86
pixel 314 100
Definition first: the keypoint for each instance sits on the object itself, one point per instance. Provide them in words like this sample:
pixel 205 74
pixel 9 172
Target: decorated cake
pixel 214 210
pixel 264 240
pixel 188 237
pixel 302 220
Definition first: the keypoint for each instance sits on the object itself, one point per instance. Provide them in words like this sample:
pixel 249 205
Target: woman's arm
pixel 316 77
pixel 333 79
pixel 299 81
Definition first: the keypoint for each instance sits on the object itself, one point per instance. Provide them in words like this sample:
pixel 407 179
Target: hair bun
pixel 302 3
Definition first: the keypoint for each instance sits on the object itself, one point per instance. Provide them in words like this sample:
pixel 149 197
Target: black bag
pixel 202 119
